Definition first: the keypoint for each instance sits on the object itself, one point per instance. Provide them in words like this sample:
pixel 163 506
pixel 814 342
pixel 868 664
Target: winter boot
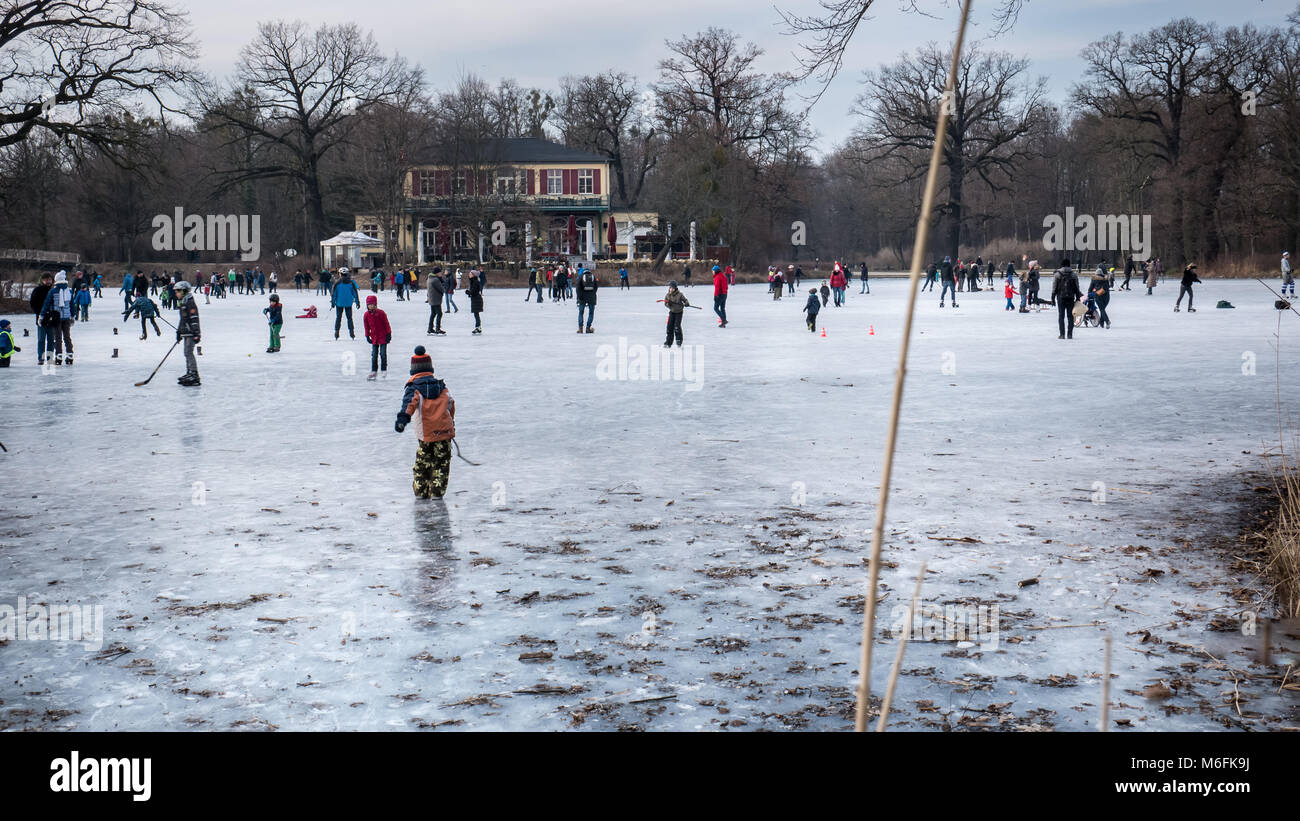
pixel 589 330
pixel 143 337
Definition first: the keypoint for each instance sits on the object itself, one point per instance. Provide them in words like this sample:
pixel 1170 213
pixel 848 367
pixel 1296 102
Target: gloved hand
pixel 399 426
pixel 18 349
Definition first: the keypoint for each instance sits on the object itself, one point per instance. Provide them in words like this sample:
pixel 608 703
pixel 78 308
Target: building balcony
pixel 463 203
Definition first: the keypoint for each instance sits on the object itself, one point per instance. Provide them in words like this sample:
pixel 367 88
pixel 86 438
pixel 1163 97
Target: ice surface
pixel 656 541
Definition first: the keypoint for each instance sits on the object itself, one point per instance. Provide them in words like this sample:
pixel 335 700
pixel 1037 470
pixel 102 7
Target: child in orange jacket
pixel 426 398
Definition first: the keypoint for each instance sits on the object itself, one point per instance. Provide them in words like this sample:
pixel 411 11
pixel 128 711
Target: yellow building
pixel 507 198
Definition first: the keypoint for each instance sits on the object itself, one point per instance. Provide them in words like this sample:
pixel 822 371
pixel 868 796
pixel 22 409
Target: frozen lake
pixel 670 554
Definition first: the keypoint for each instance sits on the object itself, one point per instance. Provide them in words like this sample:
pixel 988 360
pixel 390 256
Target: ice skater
pixel 675 301
pixel 275 321
pixel 147 310
pixel 342 299
pixel 426 398
pixel 7 346
pixel 378 333
pixel 434 292
pixel 187 330
pixel 1185 287
pixel 812 307
pixel 720 295
pixel 1288 278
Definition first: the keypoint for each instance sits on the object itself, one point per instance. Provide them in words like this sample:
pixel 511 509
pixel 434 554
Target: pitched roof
pixel 526 150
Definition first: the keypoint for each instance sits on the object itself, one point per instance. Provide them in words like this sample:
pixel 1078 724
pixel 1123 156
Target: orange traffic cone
pixel 871 330
pixel 823 330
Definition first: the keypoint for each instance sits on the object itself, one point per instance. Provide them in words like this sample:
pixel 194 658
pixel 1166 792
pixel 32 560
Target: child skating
pixel 275 319
pixel 378 333
pixel 676 302
pixel 1009 291
pixel 812 307
pixel 426 398
pixel 147 310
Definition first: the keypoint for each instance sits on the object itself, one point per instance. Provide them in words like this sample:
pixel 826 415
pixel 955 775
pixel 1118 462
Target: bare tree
pixel 604 114
pixel 1151 82
pixel 992 113
pixel 298 95
pixel 827 34
pixel 76 68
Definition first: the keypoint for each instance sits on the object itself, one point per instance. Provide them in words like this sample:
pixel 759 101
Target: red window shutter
pixel 415 183
pixel 569 186
pixel 484 184
pixel 530 189
pixel 595 181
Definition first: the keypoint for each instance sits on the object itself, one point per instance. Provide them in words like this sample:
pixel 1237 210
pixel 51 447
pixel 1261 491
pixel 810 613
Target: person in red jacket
pixel 426 399
pixel 720 295
pixel 838 283
pixel 378 333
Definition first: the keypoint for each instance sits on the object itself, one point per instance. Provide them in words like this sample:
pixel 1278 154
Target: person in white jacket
pixel 1288 279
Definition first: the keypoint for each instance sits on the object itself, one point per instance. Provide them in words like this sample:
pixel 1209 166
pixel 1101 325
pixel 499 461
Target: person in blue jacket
pixel 128 288
pixel 59 311
pixel 7 346
pixel 147 310
pixel 342 299
pixel 98 285
pixel 81 299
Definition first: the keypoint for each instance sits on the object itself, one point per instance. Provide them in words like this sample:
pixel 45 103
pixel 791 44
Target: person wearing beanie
pixel 275 319
pixel 147 310
pixel 720 295
pixel 57 317
pixel 378 333
pixel 812 307
pixel 7 346
pixel 342 298
pixel 1288 278
pixel 675 301
pixel 587 286
pixel 426 398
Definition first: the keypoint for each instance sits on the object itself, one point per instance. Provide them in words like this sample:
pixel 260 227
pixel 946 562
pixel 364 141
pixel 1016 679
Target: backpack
pixel 588 281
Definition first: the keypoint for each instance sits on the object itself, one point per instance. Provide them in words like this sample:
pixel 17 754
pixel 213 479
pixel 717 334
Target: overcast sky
pixel 536 43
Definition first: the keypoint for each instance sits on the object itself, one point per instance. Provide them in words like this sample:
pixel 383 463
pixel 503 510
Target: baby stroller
pixel 1085 312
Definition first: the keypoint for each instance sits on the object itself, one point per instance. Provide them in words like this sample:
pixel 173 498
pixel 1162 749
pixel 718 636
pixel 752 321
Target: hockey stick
pixel 458 456
pixel 160 364
pixel 696 307
pixel 1279 296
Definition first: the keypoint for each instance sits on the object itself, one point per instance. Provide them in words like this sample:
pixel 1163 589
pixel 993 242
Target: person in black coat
pixel 1189 279
pixel 1065 292
pixel 475 292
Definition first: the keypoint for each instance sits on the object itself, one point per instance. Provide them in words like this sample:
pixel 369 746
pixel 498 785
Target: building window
pixel 460 238
pixel 507 182
pixel 460 182
pixel 554 181
pixel 586 183
pixel 427 184
pixel 370 229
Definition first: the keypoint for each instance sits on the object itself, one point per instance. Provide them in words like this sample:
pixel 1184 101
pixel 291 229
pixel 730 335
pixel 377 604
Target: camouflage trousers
pixel 432 469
